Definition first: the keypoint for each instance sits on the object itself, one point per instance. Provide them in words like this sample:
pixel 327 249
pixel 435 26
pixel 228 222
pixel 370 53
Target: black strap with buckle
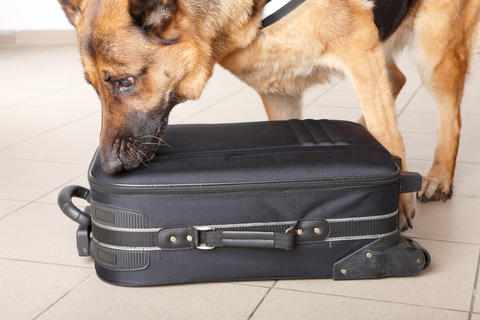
pixel 274 235
pixel 283 235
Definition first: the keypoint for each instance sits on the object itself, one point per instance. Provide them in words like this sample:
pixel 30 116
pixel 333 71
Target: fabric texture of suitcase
pixel 246 201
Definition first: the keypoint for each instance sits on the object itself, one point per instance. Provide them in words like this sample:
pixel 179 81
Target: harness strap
pixel 275 235
pixel 274 10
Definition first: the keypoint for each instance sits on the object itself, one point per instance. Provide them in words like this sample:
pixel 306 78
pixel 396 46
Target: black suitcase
pixel 246 201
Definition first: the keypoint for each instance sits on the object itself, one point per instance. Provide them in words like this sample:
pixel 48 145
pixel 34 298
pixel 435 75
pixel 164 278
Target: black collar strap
pixel 274 10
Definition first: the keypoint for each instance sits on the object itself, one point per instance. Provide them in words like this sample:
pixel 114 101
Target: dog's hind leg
pixel 282 107
pixel 445 35
pixel 396 77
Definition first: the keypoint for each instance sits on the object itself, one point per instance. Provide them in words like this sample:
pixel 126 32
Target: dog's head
pixel 142 57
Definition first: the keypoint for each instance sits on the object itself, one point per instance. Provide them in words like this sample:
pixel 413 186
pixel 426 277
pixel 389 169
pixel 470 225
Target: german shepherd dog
pixel 145 56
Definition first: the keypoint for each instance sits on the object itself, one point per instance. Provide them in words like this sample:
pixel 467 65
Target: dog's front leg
pixel 365 64
pixel 397 81
pixel 282 107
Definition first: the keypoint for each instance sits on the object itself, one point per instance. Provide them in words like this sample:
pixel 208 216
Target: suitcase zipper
pixel 237 187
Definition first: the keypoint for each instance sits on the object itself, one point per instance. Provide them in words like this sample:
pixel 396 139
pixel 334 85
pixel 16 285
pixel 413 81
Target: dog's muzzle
pixel 127 153
pixel 130 146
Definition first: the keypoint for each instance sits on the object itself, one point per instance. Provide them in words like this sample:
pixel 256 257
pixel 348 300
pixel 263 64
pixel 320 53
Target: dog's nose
pixel 126 154
pixel 112 167
pixel 110 162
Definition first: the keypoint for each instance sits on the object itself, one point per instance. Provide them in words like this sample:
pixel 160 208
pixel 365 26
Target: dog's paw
pixel 406 211
pixel 434 189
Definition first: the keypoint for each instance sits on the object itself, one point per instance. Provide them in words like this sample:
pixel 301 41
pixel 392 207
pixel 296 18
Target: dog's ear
pixel 154 16
pixel 72 9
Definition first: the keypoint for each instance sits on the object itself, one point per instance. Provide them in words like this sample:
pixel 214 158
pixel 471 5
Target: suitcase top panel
pixel 258 152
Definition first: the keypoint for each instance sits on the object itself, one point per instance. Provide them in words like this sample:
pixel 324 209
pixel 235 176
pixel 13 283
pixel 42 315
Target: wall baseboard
pixel 37 38
pixel 7 38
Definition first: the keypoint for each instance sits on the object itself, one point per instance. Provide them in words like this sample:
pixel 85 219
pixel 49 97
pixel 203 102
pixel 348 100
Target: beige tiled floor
pixel 49 126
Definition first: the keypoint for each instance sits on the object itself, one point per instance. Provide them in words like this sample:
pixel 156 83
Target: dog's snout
pixel 127 153
pixel 112 166
pixel 110 160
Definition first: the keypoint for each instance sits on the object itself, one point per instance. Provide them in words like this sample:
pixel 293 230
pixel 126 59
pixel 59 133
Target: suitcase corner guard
pixel 83 219
pixel 394 256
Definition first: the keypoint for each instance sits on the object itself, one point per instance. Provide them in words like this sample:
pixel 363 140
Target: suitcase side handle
pixel 69 209
pixel 83 219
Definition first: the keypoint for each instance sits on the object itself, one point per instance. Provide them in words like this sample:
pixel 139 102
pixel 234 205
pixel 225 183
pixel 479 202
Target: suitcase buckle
pixel 202 246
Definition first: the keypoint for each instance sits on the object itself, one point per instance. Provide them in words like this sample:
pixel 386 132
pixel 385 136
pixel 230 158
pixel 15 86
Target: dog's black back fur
pixel 389 14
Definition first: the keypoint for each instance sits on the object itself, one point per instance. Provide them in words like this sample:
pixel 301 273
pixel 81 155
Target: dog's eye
pixel 126 83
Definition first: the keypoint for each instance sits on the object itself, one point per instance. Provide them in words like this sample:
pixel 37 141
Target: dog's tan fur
pixel 319 38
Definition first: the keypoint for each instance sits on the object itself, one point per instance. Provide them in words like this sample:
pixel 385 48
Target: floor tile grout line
pixel 462 196
pixel 327 106
pixel 434 133
pixel 371 299
pixel 353 297
pixel 41 160
pixel 445 241
pixel 16 200
pixel 409 100
pixel 8 106
pixel 249 285
pixel 416 112
pixel 430 160
pixel 45 202
pixel 474 290
pixel 213 104
pixel 46 263
pixel 26 201
pixel 466 197
pixel 61 297
pixel 456 195
pixel 41 196
pixel 48 131
pixel 46 48
pixel 58 65
pixel 261 300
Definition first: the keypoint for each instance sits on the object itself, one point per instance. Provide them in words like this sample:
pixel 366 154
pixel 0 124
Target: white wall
pixel 32 15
